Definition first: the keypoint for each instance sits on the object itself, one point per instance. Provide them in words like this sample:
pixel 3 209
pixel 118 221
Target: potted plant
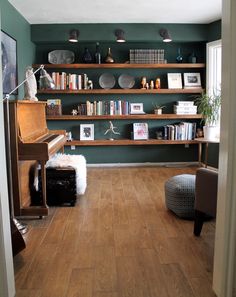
pixel 158 108
pixel 209 107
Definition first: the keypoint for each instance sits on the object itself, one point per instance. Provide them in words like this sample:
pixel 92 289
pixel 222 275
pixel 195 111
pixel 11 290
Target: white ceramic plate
pixel 61 57
pixel 107 81
pixel 126 81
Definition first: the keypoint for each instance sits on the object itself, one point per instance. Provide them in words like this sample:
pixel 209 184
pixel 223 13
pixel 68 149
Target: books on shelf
pixel 140 131
pixel 147 56
pixel 70 81
pixel 185 107
pixel 181 131
pixel 112 107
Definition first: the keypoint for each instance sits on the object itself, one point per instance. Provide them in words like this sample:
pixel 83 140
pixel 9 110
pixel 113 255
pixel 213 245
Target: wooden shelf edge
pixel 124 142
pixel 124 117
pixel 122 65
pixel 125 91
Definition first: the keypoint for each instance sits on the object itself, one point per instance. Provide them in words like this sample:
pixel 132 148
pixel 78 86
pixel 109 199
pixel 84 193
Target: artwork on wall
pixel 87 132
pixel 9 67
pixel 192 80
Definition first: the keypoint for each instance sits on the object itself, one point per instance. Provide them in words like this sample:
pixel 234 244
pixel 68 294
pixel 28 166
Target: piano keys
pixel 31 143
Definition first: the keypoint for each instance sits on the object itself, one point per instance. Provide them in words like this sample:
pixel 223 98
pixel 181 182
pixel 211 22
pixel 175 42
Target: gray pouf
pixel 180 195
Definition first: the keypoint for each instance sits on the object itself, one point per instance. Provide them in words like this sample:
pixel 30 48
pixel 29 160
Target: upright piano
pixel 31 142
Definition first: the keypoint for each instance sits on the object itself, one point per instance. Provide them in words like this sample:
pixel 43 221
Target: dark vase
pixel 87 57
pixel 179 58
pixel 97 55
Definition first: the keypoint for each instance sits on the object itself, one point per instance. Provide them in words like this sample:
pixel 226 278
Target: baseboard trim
pixel 146 164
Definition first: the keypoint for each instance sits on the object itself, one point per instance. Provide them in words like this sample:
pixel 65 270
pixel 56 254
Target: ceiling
pixel 119 11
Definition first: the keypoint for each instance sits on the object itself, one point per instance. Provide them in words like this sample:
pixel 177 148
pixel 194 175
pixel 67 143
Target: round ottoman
pixel 180 195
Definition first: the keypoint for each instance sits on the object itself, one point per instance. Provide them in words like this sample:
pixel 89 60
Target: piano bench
pixel 60 185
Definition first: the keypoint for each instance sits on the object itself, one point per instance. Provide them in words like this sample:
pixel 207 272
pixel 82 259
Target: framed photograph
pixel 9 67
pixel 174 81
pixel 136 108
pixel 140 131
pixel 192 80
pixel 87 132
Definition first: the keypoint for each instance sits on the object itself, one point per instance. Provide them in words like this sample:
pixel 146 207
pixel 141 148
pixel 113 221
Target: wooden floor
pixel 118 241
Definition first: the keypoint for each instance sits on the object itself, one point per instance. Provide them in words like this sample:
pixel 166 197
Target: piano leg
pixel 44 192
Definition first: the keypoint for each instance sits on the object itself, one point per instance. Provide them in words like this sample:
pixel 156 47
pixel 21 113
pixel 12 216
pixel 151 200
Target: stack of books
pixel 185 107
pixel 146 56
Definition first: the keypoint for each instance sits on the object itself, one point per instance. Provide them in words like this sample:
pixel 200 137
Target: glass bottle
pixel 192 58
pixel 97 55
pixel 179 58
pixel 109 58
pixel 87 58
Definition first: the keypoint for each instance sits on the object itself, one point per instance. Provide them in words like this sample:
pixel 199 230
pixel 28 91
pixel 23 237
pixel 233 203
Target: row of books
pixel 181 131
pixel 147 56
pixel 70 81
pixel 185 107
pixel 118 107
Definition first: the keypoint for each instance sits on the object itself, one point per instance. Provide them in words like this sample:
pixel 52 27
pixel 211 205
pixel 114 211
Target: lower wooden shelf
pixel 123 142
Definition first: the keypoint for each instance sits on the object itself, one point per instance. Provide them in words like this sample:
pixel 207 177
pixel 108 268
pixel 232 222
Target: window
pixel 214 57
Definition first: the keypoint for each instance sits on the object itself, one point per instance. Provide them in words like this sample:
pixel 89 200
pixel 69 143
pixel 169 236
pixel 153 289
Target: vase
pixel 179 58
pixel 87 57
pixel 97 55
pixel 109 58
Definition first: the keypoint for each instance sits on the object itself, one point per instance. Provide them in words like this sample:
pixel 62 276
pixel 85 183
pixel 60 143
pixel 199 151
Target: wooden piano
pixel 30 142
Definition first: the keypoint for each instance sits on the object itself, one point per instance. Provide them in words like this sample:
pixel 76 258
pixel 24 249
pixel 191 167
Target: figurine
pixel 30 85
pixel 111 130
pixel 74 112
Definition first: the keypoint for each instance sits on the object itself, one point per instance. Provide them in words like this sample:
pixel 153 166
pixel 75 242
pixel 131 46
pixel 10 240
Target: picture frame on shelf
pixel 192 80
pixel 174 81
pixel 86 131
pixel 9 63
pixel 140 131
pixel 136 108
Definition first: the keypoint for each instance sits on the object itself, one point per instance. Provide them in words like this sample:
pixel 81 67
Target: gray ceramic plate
pixel 61 57
pixel 107 81
pixel 126 81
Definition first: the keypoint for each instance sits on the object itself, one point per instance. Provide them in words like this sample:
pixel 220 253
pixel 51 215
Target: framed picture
pixel 140 131
pixel 174 81
pixel 9 67
pixel 87 132
pixel 136 108
pixel 192 80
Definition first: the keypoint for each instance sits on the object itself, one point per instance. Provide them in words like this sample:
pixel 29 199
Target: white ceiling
pixel 119 11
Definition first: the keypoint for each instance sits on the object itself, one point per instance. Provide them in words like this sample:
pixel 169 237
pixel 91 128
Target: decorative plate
pixel 61 57
pixel 126 81
pixel 107 81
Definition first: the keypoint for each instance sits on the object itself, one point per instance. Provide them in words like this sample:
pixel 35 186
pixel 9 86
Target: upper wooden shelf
pixel 121 65
pixel 125 91
pixel 124 117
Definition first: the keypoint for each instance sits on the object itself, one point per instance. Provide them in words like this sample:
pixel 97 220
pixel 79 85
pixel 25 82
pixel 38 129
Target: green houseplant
pixel 209 107
pixel 158 108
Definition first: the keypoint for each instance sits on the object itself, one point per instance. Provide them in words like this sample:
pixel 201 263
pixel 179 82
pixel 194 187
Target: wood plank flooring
pixel 118 241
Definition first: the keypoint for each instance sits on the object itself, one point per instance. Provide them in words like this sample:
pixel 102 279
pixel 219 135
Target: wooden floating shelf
pixel 123 117
pixel 121 65
pixel 126 142
pixel 125 91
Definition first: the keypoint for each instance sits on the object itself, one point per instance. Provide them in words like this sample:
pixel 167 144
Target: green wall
pixel 16 26
pixel 188 37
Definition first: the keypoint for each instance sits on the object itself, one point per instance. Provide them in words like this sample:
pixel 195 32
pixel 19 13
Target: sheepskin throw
pixel 77 162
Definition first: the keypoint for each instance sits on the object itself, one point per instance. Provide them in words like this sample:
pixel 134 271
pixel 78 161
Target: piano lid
pixel 31 117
